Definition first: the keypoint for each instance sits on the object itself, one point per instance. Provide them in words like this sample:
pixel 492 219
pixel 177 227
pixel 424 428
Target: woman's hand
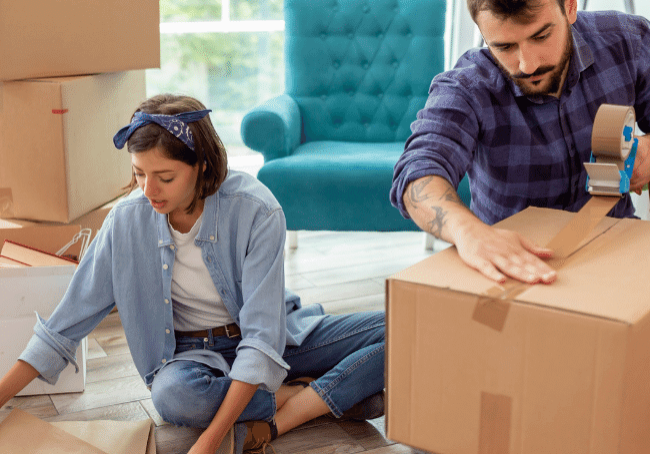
pixel 237 398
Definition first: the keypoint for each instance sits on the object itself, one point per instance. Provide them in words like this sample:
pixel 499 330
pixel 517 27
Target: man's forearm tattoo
pixel 420 199
pixel 438 222
pixel 451 196
pixel 417 194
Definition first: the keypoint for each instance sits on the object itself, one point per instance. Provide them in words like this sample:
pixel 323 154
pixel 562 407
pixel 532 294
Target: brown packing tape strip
pixel 6 203
pixel 492 308
pixel 494 426
pixel 572 234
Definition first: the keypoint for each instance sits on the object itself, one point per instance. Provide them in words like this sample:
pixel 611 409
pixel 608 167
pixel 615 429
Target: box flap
pixel 47 238
pixel 604 269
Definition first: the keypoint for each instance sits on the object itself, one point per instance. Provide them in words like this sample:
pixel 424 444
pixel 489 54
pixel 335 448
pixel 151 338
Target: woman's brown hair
pixel 209 151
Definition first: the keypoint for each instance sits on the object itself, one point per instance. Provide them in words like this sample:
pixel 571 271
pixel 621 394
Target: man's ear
pixel 571 10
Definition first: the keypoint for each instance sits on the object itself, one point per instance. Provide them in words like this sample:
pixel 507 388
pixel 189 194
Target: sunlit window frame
pixel 225 25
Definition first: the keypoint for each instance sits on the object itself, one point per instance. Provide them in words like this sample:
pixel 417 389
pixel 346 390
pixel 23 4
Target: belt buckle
pixel 228 332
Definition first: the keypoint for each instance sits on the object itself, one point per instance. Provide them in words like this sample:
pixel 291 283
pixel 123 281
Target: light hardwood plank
pixel 371 270
pixel 297 282
pixel 337 292
pixel 178 442
pixel 364 303
pixel 39 406
pixel 131 411
pixel 114 344
pixel 365 434
pixel 395 449
pixel 334 260
pixel 94 349
pixel 323 439
pixel 147 404
pixel 101 394
pixel 110 367
pixel 108 327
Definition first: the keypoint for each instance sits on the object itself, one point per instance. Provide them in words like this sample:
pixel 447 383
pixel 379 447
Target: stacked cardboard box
pixel 72 74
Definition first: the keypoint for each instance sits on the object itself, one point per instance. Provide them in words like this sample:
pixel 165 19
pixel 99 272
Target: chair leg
pixel 428 241
pixel 292 239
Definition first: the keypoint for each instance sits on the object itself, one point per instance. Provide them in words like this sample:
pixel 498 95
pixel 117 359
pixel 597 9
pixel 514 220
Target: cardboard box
pixel 36 289
pixel 562 368
pixel 58 157
pixel 42 38
pixel 93 220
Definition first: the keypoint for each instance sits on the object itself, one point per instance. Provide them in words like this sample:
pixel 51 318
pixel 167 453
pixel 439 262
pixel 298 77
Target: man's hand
pixel 641 172
pixel 501 253
pixel 435 207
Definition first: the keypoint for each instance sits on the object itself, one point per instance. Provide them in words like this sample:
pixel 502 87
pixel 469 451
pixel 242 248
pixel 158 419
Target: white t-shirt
pixel 197 304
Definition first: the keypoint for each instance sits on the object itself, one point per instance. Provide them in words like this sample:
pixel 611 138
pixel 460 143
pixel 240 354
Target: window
pixel 226 53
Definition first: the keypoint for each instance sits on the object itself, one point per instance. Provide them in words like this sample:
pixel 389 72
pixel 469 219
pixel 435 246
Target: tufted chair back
pixel 360 70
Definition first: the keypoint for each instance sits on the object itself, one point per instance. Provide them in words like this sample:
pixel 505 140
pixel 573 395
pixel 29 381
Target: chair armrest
pixel 273 128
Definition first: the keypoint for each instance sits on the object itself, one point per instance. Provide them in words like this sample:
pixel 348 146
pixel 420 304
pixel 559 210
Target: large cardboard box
pixel 45 38
pixel 58 157
pixel 36 289
pixel 561 368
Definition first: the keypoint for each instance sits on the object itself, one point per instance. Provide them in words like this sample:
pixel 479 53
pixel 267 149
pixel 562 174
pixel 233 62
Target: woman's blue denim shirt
pixel 129 265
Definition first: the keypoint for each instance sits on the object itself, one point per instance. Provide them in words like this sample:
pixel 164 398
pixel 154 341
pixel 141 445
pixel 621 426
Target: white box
pixel 25 291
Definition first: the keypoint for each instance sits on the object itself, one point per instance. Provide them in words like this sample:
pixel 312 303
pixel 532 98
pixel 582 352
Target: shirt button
pixel 172 247
pixel 159 241
pixel 167 331
pixel 205 339
pixel 212 237
pixel 166 301
pixel 165 266
pixel 164 360
pixel 210 259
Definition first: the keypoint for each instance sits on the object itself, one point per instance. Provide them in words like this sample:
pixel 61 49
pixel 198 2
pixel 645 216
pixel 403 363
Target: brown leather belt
pixel 231 330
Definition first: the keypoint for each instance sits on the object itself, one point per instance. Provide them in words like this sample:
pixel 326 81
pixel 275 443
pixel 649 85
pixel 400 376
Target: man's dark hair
pixel 519 10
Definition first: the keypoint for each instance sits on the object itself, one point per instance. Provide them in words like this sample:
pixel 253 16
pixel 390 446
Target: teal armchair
pixel 356 72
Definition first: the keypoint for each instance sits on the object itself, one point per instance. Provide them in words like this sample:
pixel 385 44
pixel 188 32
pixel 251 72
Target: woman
pixel 193 260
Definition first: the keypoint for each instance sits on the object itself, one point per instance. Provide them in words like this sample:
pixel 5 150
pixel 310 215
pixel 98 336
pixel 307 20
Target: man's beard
pixel 556 72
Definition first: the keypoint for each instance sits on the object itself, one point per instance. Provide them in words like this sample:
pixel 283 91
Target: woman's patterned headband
pixel 175 124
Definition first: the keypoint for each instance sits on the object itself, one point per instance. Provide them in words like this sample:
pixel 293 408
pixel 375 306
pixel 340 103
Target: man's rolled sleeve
pixel 442 141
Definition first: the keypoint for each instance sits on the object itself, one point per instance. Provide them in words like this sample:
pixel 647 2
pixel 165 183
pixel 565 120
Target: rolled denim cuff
pixel 254 366
pixel 49 353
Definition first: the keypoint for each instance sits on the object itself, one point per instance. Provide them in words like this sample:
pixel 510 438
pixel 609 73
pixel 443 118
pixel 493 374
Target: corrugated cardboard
pixel 50 239
pixel 93 220
pixel 25 291
pixel 59 161
pixel 44 38
pixel 562 368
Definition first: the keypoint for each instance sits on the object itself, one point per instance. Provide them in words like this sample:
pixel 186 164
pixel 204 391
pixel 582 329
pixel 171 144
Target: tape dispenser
pixel 613 151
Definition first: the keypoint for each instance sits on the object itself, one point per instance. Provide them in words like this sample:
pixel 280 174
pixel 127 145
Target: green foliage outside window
pixel 229 72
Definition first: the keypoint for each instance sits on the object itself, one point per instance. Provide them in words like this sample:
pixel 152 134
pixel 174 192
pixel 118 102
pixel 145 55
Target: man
pixel 517 117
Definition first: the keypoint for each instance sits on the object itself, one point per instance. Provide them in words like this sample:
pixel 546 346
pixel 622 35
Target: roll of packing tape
pixel 607 137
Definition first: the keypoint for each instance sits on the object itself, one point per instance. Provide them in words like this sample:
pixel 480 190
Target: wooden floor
pixel 344 272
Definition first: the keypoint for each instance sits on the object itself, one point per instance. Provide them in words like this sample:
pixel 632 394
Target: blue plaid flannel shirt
pixel 521 151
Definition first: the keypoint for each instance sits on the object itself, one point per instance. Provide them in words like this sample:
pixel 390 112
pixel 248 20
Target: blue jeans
pixel 345 353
